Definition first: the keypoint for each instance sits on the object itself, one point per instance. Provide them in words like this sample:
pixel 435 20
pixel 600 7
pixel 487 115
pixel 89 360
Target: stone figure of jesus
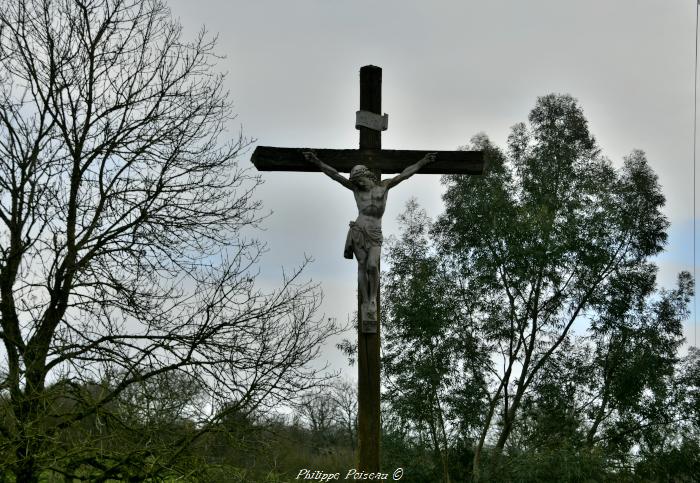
pixel 364 238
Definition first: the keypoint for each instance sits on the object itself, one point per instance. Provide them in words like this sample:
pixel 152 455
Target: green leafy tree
pixel 553 239
pixel 543 242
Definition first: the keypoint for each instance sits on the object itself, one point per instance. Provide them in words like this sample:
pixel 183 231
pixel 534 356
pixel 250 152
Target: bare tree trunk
pixel 26 412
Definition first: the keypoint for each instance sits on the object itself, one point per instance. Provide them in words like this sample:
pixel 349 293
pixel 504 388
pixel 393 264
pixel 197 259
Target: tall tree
pixel 124 250
pixel 544 241
pixel 554 235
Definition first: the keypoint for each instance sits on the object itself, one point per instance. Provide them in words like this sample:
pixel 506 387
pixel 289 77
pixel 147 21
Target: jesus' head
pixel 362 177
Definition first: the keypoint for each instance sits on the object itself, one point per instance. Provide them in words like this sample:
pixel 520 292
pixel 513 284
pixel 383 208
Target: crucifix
pixel 366 166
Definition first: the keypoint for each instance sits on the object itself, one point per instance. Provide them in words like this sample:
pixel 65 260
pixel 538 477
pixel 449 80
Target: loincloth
pixel 362 238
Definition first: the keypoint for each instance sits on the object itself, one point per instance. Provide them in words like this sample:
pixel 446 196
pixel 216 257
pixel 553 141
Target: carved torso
pixel 371 204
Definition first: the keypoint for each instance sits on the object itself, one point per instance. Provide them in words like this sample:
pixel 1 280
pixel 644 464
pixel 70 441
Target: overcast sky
pixel 451 69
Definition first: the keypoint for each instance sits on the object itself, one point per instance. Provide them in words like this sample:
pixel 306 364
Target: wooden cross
pixel 370 123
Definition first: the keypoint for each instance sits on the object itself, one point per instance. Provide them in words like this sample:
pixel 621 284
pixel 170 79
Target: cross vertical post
pixel 368 356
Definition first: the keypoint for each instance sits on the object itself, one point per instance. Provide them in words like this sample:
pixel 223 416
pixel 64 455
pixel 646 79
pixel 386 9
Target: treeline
pixel 131 437
pixel 136 433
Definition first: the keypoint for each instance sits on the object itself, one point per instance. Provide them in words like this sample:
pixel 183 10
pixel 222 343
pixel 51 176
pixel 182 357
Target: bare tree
pixel 345 398
pixel 124 253
pixel 320 411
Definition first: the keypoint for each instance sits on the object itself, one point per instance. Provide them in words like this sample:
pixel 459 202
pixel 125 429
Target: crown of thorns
pixel 360 171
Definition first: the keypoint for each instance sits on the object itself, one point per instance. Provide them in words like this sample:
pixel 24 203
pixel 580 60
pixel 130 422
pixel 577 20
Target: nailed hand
pixel 430 157
pixel 311 157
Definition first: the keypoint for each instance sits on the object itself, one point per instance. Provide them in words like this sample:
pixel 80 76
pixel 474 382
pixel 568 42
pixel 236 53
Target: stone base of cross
pixel 366 166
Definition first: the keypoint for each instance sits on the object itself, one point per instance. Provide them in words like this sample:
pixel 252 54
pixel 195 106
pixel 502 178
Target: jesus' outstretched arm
pixel 328 170
pixel 409 171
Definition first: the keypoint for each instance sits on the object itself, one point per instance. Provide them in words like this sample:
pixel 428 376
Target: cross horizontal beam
pixel 266 158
